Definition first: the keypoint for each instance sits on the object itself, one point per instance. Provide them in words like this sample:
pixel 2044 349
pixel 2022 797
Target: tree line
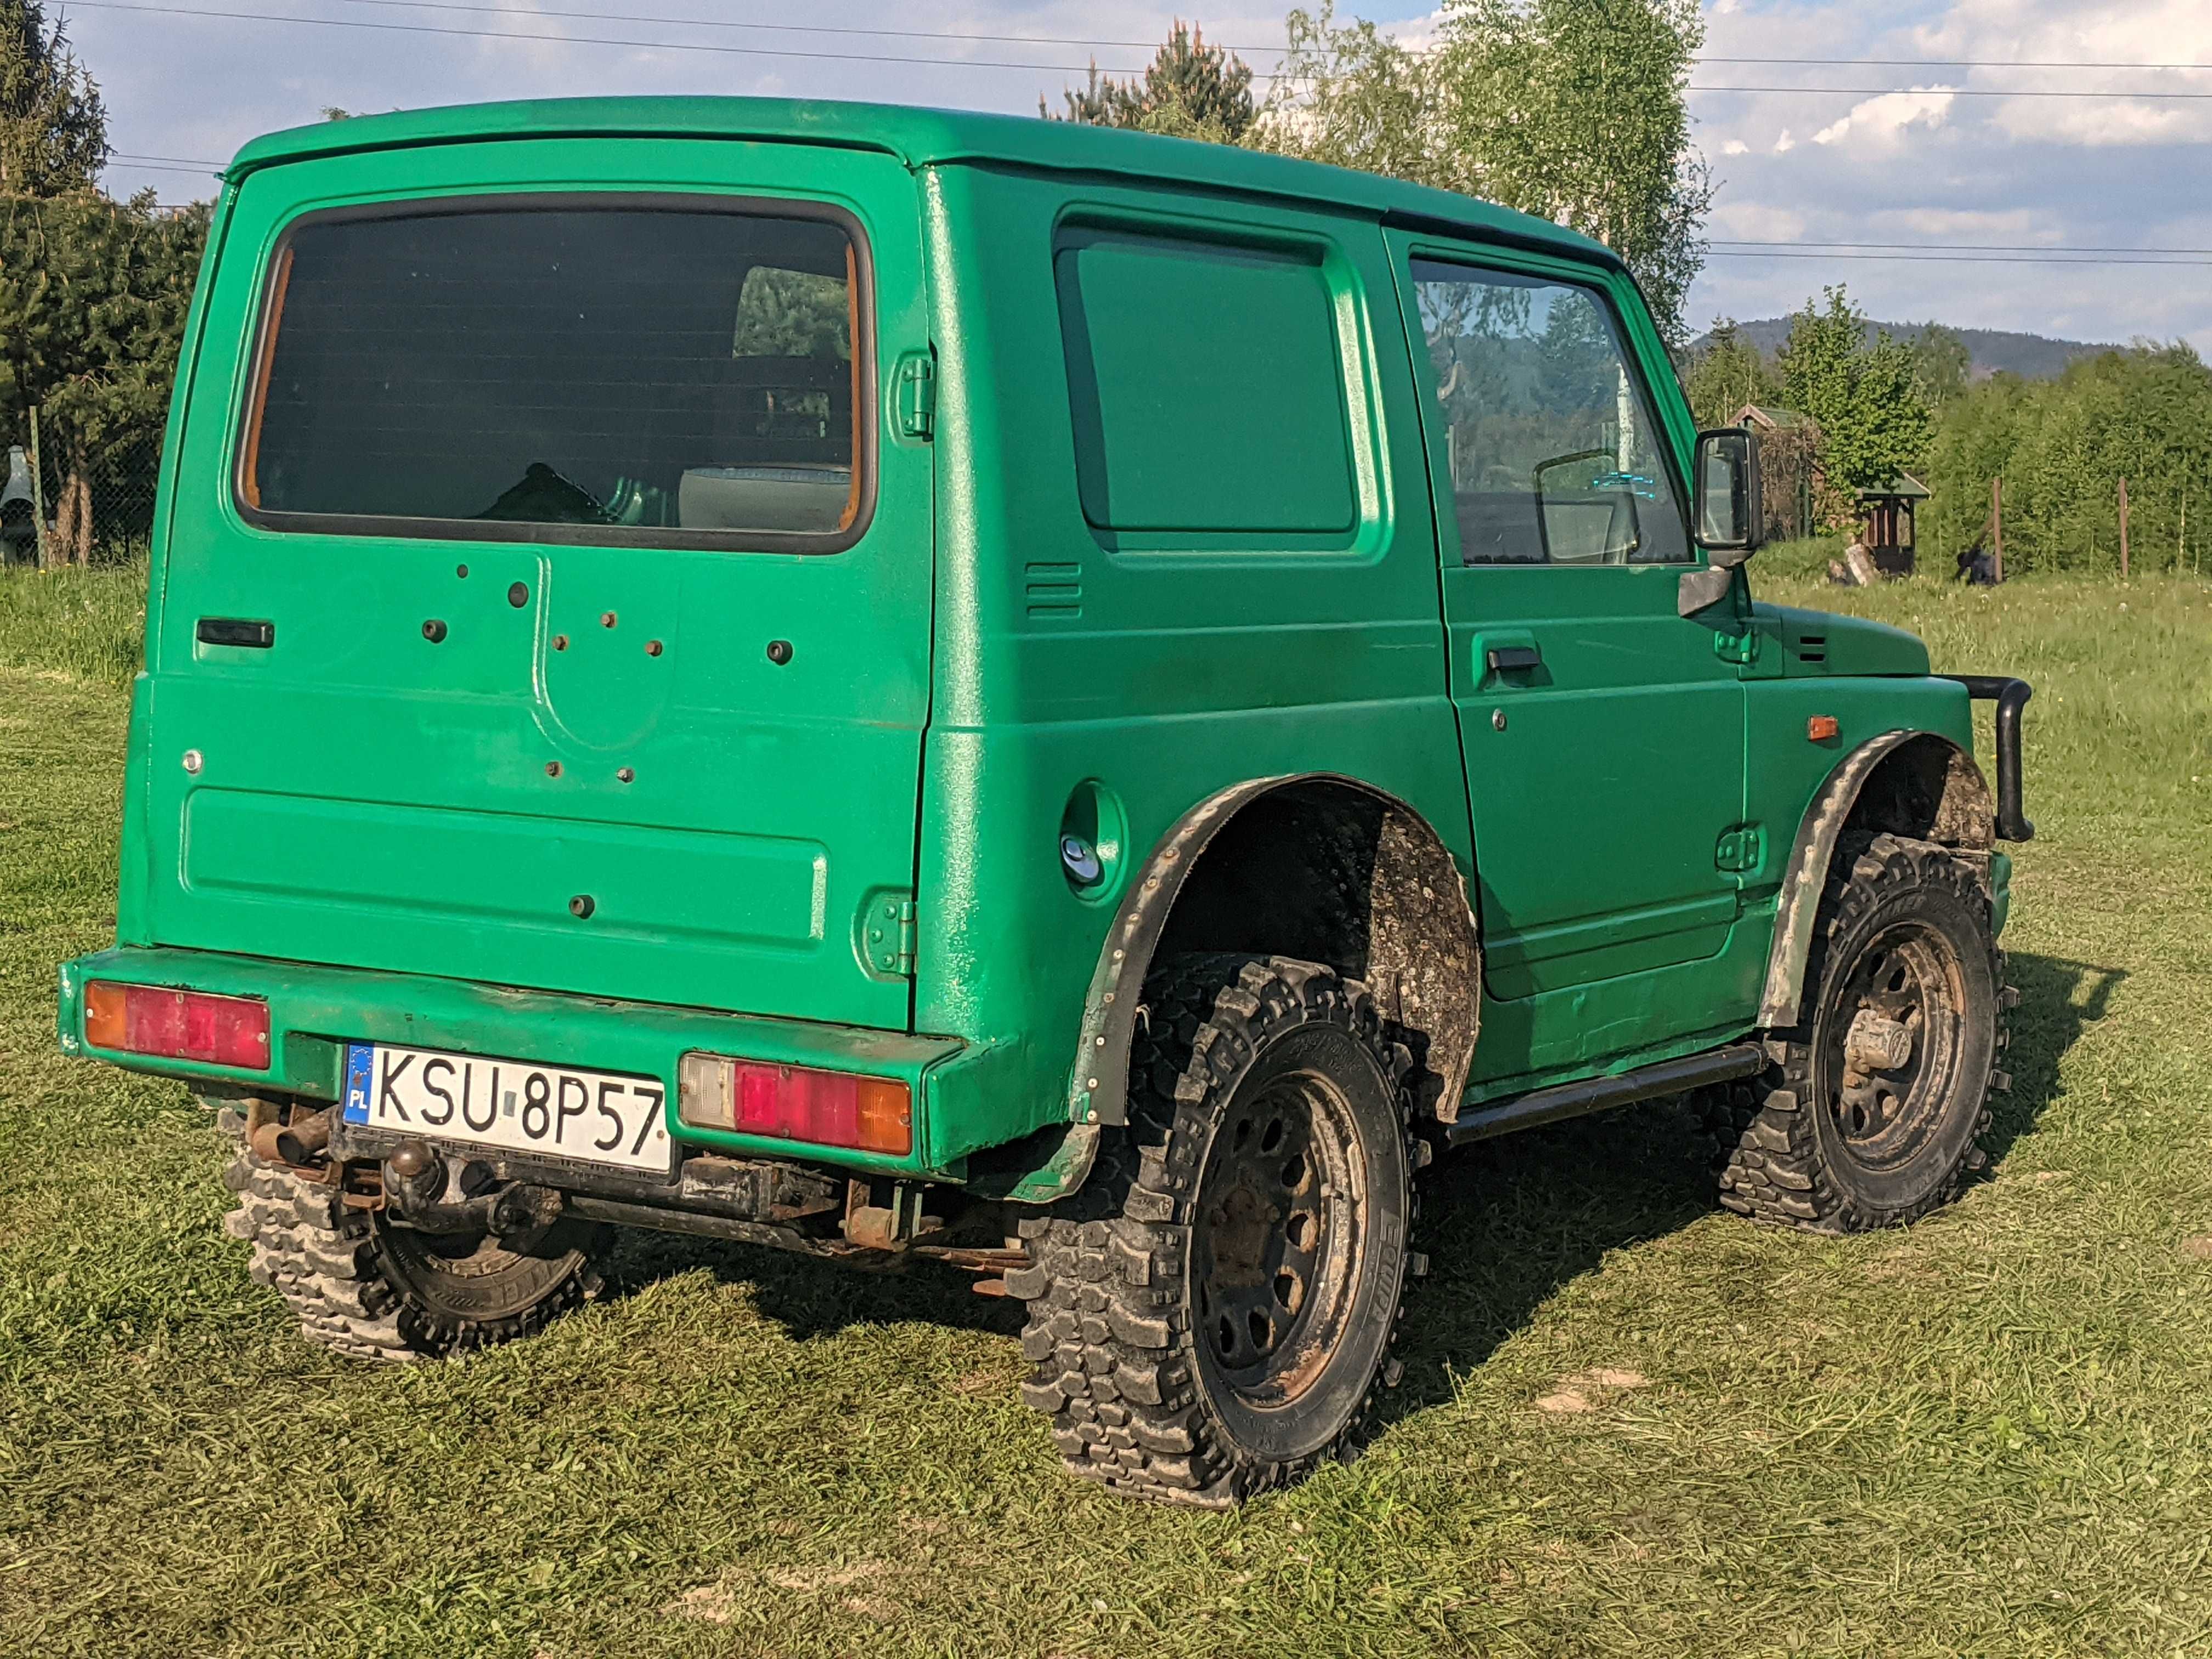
pixel 93 291
pixel 1572 110
pixel 2059 448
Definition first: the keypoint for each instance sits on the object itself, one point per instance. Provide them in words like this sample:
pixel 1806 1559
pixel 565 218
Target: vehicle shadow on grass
pixel 2058 1000
pixel 810 1298
pixel 1508 1223
pixel 1505 1224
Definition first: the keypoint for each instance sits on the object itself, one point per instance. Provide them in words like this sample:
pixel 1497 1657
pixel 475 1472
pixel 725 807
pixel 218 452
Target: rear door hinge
pixel 917 396
pixel 887 935
pixel 1739 851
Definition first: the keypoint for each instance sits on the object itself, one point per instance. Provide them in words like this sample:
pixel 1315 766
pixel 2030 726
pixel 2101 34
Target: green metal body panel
pixel 1048 622
pixel 370 798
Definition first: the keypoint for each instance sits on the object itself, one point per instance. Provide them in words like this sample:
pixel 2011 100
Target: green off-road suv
pixel 903 685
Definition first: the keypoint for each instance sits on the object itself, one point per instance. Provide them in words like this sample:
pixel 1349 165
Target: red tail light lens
pixel 146 1019
pixel 796 1103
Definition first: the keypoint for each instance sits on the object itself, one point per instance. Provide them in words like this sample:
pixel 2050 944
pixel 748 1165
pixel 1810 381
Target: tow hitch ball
pixel 416 1182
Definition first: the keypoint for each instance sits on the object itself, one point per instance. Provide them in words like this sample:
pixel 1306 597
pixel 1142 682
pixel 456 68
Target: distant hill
pixel 1995 351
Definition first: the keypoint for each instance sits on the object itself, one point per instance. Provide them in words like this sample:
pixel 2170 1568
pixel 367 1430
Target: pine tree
pixel 1190 90
pixel 1727 372
pixel 53 130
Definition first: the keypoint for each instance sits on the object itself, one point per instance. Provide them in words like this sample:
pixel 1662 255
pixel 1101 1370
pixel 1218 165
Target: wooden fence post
pixel 1997 520
pixel 2123 530
pixel 38 491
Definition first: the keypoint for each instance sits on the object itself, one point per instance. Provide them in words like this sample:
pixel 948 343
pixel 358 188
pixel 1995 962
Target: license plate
pixel 599 1117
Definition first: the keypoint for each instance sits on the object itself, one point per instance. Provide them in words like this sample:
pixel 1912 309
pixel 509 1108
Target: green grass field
pixel 1632 1424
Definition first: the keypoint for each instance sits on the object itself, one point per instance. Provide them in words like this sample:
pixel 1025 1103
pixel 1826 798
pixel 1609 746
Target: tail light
pixel 146 1019
pixel 796 1103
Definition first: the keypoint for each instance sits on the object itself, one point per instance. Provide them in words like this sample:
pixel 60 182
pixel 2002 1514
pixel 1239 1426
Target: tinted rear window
pixel 600 372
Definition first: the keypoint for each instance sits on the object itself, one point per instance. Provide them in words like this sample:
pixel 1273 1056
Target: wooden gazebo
pixel 1888 527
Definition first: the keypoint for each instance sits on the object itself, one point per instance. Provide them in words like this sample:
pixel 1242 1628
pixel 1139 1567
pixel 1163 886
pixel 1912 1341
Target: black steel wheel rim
pixel 1276 1238
pixel 1892 1035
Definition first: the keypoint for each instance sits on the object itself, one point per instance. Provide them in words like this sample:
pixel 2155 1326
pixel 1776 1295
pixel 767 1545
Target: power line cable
pixel 140 7
pixel 1930 62
pixel 1965 92
pixel 1954 258
pixel 571 39
pixel 185 161
pixel 529 13
pixel 1956 247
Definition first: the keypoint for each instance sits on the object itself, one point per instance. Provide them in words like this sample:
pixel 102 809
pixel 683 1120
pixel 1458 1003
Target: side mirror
pixel 1730 524
pixel 1726 486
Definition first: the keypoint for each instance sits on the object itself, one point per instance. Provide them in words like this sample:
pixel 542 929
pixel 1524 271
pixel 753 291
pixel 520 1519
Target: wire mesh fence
pixel 67 501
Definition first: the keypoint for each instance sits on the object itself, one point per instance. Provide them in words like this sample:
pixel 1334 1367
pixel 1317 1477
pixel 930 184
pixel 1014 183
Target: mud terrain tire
pixel 1212 1316
pixel 362 1287
pixel 1871 1111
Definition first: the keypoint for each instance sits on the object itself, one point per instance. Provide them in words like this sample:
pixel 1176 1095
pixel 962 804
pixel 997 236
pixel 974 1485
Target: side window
pixel 1207 388
pixel 1555 455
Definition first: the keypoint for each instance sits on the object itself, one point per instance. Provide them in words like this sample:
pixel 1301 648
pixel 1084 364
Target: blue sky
pixel 1918 152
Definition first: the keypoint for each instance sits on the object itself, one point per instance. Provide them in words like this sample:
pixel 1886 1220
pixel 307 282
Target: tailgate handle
pixel 236 631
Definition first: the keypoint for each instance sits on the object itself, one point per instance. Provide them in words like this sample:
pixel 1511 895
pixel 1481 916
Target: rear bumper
pixel 314 1012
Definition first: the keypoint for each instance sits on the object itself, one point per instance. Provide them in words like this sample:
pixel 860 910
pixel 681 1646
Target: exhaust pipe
pixel 299 1142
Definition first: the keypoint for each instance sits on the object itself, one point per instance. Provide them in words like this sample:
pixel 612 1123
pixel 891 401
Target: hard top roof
pixel 921 137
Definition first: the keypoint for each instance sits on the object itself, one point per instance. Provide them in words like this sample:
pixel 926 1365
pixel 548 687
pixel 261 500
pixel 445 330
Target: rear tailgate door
pixel 546 602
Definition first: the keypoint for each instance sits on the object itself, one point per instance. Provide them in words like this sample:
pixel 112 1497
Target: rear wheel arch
pixel 1318 867
pixel 1915 784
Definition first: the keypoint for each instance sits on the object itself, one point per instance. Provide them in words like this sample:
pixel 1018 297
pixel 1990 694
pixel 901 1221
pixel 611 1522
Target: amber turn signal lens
pixel 1822 728
pixel 104 1020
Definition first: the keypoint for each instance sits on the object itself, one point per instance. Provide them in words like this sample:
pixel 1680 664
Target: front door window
pixel 1553 453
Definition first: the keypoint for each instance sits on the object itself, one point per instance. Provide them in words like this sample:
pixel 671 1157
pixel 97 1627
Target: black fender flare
pixel 1423 941
pixel 1965 818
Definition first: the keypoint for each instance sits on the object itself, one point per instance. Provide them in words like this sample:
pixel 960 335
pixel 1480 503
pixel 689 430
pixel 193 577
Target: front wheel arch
pixel 1915 784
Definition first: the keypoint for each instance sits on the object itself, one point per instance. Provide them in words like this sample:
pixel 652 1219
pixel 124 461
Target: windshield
pixel 623 372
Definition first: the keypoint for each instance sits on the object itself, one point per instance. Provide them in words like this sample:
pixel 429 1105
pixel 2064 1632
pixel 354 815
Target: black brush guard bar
pixel 2010 696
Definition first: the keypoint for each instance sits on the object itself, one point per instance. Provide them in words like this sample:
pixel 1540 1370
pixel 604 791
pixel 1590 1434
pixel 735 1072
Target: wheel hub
pixel 1895 1036
pixel 1272 1243
pixel 1876 1043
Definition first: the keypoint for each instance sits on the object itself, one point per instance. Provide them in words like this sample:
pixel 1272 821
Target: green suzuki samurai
pixel 908 685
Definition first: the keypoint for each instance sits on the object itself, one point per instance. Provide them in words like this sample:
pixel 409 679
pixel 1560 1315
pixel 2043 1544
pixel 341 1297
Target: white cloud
pixel 2034 172
pixel 2085 31
pixel 2028 173
pixel 1884 121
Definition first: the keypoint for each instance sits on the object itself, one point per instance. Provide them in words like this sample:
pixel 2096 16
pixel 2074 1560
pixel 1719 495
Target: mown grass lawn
pixel 1632 1426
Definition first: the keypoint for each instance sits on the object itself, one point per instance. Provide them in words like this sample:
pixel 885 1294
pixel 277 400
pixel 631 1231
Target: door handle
pixel 236 631
pixel 1507 656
